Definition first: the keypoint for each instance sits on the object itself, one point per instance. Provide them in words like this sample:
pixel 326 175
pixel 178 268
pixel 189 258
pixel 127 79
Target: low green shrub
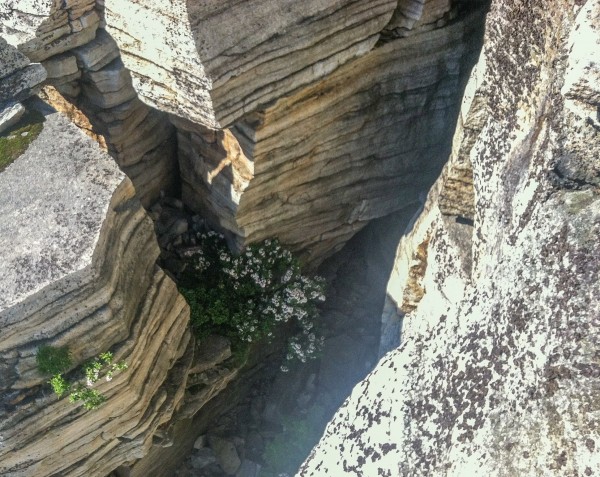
pixel 51 360
pixel 56 361
pixel 245 296
pixel 17 139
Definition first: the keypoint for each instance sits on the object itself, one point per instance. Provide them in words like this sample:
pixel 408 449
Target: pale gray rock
pixel 11 60
pixel 62 69
pixel 68 213
pixel 49 27
pixel 78 254
pixel 10 114
pixel 20 78
pixel 109 86
pixel 97 53
pixel 497 371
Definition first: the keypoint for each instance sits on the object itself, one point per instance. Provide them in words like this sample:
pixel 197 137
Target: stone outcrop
pixel 215 62
pixel 20 77
pixel 82 62
pixel 78 254
pixel 497 373
pixel 314 167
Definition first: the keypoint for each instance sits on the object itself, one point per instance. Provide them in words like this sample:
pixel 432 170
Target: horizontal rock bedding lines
pixel 141 314
pixel 110 296
pixel 381 158
pixel 219 62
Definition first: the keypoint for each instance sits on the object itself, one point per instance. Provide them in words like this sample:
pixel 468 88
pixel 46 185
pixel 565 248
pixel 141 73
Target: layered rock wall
pixel 83 64
pixel 314 167
pixel 217 61
pixel 497 373
pixel 79 270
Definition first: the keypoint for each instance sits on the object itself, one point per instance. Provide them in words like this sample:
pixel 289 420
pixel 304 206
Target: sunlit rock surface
pixel 213 62
pixel 78 270
pixel 498 372
pixel 315 167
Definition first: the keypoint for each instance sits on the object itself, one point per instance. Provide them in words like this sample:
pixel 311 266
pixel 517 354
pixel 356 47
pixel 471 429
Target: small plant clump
pixel 245 296
pixel 57 360
pixel 51 360
pixel 17 139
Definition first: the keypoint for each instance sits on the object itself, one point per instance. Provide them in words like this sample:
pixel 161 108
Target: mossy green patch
pixel 17 139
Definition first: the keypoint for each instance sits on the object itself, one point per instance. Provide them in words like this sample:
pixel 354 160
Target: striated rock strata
pixel 82 62
pixel 314 167
pixel 78 254
pixel 213 62
pixel 497 373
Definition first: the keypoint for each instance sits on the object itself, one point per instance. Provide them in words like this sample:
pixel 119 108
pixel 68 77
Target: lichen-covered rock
pixel 45 28
pixel 78 254
pixel 216 61
pixel 498 372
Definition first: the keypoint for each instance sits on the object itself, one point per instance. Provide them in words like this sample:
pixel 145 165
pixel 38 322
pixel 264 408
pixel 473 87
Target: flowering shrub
pixel 245 296
pixel 57 360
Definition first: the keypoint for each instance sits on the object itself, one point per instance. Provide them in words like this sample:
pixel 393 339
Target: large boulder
pixel 78 257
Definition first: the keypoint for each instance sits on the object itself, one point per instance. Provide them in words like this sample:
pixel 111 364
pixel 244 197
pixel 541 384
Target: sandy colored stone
pixel 82 258
pixel 315 167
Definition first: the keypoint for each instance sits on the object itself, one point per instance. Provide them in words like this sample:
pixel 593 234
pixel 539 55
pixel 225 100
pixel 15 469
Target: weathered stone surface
pixel 105 106
pixel 97 53
pixel 82 258
pixel 497 373
pixel 11 59
pixel 67 213
pixel 62 70
pixel 62 67
pixel 19 78
pixel 315 167
pixel 218 61
pixel 10 113
pixel 45 28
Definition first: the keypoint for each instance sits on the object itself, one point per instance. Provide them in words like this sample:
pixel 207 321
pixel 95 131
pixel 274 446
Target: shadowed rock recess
pixel 308 121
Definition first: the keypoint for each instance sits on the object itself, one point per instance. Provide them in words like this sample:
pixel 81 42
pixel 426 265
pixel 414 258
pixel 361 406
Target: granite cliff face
pixel 497 279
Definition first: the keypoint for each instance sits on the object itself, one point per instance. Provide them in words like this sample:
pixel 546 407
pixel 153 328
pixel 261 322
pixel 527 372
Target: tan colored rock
pixel 99 291
pixel 216 62
pixel 315 167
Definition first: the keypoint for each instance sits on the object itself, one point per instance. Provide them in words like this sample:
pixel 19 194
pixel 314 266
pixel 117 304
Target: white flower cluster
pixel 259 288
